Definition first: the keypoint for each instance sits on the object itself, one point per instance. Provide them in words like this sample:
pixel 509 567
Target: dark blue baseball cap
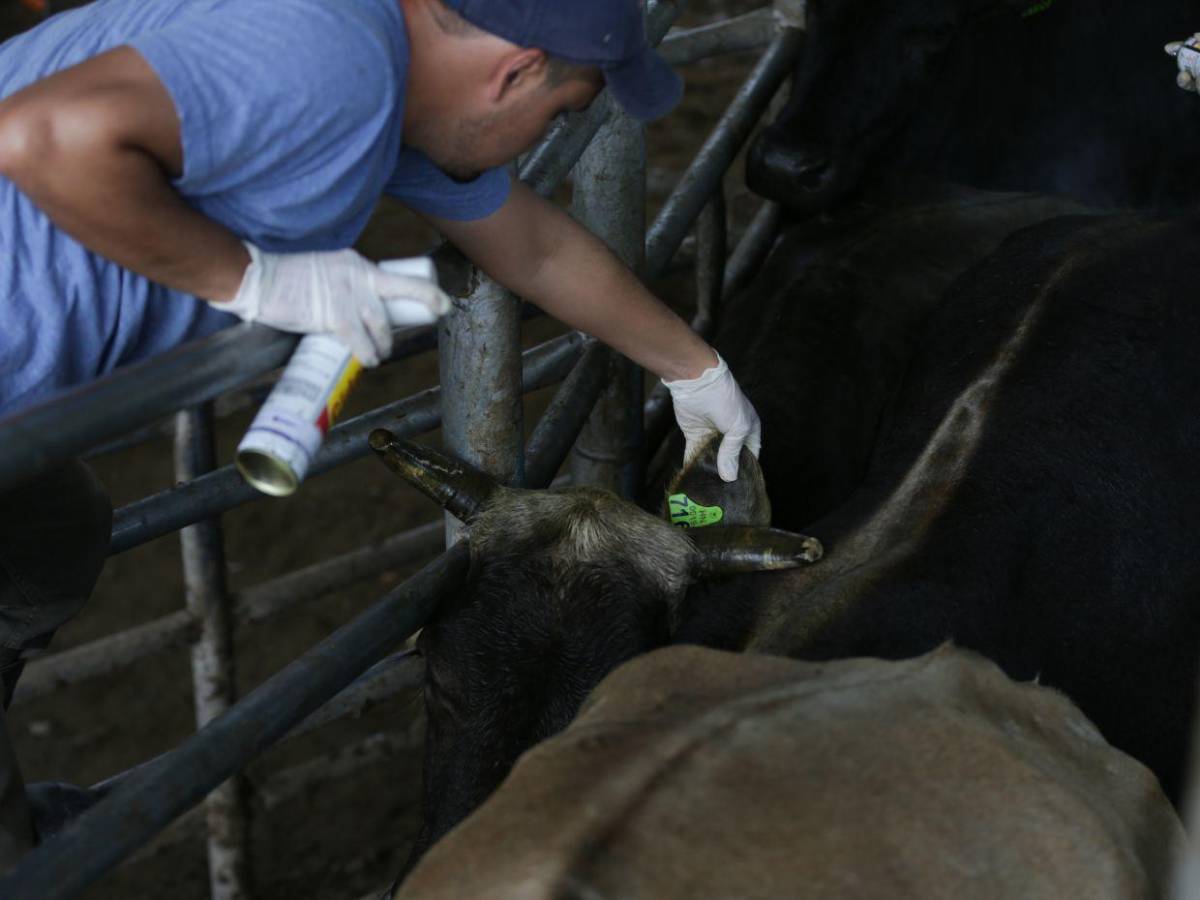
pixel 609 34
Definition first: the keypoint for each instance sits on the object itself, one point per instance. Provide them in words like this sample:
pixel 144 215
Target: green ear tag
pixel 687 514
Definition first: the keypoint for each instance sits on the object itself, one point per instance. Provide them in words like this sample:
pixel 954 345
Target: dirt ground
pixel 334 839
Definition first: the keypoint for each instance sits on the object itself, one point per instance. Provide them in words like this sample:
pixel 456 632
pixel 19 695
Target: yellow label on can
pixel 341 390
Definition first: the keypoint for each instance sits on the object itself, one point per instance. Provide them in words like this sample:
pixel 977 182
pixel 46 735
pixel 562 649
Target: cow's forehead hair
pixel 584 525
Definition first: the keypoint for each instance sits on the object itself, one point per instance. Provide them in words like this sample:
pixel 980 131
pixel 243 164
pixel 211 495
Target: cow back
pixel 692 773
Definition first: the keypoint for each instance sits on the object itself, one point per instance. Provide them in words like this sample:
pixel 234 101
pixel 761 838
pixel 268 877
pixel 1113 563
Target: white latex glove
pixel 714 402
pixel 337 292
pixel 1188 62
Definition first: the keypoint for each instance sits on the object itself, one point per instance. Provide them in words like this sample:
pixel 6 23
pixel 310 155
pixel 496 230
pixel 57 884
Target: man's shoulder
pixel 318 48
pixel 320 23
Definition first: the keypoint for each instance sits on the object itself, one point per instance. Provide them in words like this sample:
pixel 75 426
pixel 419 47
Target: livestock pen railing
pixel 599 408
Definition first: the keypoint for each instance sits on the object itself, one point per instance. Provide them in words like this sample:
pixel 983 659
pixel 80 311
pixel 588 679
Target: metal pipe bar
pixel 400 672
pixel 33 440
pixel 106 655
pixel 754 247
pixel 567 413
pixel 480 361
pixel 213 671
pixel 610 201
pixel 181 629
pixel 114 409
pixel 387 678
pixel 711 237
pixel 343 762
pixel 138 809
pixel 722 146
pixel 224 489
pixel 751 31
pixel 286 592
pixel 376 748
pixel 481 401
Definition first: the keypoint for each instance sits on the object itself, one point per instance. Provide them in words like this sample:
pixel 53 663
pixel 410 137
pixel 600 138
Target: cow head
pixel 565 585
pixel 861 74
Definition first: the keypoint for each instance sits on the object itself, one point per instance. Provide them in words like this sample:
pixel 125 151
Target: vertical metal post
pixel 213 675
pixel 479 348
pixel 610 200
pixel 711 240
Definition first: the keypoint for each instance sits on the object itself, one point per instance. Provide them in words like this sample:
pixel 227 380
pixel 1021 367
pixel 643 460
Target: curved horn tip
pixel 812 550
pixel 380 439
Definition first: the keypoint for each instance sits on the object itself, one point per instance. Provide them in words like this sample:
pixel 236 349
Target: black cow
pixel 1033 497
pixel 834 317
pixel 1072 96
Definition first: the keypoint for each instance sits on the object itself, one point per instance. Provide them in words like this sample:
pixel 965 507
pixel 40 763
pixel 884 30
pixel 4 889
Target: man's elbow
pixel 36 142
pixel 24 139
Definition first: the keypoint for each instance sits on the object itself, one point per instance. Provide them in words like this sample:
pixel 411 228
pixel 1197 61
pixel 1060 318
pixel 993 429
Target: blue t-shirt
pixel 291 114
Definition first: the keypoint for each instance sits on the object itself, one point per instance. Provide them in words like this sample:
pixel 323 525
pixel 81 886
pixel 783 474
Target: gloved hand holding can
pixel 339 293
pixel 277 451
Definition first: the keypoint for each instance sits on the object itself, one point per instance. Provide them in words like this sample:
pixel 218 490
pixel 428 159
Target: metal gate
pixel 478 407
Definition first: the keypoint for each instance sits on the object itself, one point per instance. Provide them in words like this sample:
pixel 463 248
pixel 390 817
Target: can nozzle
pixel 404 313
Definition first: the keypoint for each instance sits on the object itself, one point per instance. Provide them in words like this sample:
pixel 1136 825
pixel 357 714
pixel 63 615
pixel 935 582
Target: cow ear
pixel 742 502
pixel 460 489
pixel 738 549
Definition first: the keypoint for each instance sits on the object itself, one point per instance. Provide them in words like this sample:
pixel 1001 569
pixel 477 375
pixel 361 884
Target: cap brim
pixel 645 86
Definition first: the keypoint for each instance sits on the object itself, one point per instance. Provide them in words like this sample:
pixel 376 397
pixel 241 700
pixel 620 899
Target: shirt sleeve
pixel 269 92
pixel 423 187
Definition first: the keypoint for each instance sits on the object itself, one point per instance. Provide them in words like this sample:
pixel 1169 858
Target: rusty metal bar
pixel 224 489
pixel 568 412
pixel 610 200
pixel 711 236
pixel 703 176
pixel 403 671
pixel 181 629
pixel 751 31
pixel 754 247
pixel 481 404
pixel 159 790
pixel 480 362
pixel 213 670
pixel 138 809
pixel 343 762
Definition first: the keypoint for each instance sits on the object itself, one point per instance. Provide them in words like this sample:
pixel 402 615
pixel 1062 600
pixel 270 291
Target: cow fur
pixel 691 773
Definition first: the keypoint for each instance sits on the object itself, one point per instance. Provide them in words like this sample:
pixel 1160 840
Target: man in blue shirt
pixel 152 154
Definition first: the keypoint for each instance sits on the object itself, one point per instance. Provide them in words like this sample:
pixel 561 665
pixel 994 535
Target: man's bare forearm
pixel 572 275
pixel 64 143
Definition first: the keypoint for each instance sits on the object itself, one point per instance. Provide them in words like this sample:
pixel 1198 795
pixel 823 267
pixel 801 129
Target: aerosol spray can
pixel 1187 55
pixel 277 451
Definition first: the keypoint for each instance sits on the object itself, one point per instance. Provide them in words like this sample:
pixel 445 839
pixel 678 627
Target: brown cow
pixel 693 773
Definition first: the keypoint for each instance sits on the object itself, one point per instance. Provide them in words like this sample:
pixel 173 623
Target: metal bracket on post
pixel 480 360
pixel 610 200
pixel 213 671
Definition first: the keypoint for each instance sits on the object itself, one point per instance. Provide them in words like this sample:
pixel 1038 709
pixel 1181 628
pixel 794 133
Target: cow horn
pixel 735 549
pixel 460 489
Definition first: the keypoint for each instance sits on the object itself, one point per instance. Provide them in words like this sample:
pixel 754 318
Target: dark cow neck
pixel 1034 494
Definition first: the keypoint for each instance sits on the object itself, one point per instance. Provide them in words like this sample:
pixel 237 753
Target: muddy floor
pixel 334 811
